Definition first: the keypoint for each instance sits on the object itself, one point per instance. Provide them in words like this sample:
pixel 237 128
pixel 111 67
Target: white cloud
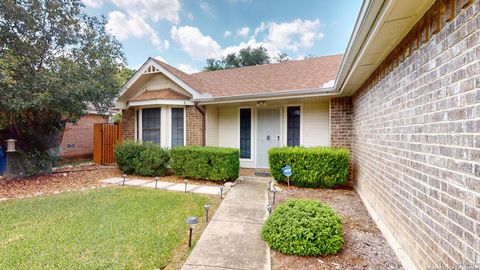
pixel 194 43
pixel 187 68
pixel 206 8
pixel 166 44
pixel 123 27
pixel 153 9
pixel 243 31
pixel 93 3
pixel 190 16
pixel 275 37
pixel 292 35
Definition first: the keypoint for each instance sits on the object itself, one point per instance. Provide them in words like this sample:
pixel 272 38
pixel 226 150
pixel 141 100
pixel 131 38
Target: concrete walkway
pixel 212 190
pixel 232 239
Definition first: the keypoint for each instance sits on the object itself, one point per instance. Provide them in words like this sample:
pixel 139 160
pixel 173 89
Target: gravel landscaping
pixel 365 246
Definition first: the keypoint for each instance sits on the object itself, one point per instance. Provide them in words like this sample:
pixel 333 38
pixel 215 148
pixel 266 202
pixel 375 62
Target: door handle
pixel 278 138
pixel 268 137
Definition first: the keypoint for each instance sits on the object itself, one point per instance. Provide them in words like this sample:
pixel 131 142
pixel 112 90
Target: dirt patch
pixel 364 248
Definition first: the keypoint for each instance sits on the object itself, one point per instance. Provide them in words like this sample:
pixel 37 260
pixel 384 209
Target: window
pixel 245 132
pixel 151 125
pixel 293 126
pixel 177 127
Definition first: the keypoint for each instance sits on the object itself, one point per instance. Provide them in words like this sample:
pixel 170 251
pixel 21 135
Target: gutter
pixel 369 12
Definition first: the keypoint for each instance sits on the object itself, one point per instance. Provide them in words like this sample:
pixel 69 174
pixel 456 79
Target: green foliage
pixel 244 58
pixel 117 118
pixel 311 167
pixel 213 163
pixel 145 159
pixel 55 61
pixel 305 228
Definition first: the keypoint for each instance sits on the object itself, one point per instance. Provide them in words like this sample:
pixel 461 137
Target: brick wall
pixel 195 126
pixel 341 122
pixel 77 139
pixel 128 124
pixel 416 145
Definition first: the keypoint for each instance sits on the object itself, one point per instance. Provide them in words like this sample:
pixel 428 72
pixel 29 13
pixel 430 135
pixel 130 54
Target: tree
pixel 54 61
pixel 282 57
pixel 245 57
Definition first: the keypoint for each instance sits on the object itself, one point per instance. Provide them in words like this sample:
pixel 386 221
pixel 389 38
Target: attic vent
pixel 151 69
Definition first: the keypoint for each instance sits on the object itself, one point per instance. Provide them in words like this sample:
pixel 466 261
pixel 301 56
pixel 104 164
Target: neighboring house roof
pixel 160 94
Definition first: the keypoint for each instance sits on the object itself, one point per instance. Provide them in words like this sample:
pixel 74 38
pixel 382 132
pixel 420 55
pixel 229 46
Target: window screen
pixel 293 126
pixel 177 127
pixel 151 125
pixel 245 133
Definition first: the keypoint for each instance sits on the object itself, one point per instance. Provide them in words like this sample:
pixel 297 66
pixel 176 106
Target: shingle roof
pixel 292 75
pixel 160 94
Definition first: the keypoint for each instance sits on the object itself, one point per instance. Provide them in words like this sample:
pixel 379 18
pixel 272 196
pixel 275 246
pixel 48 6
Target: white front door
pixel 268 134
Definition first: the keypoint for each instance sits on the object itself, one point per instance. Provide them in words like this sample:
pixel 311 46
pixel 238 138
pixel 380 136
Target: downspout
pixel 204 122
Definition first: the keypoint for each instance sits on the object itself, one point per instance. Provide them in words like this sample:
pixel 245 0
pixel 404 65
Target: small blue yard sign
pixel 287 170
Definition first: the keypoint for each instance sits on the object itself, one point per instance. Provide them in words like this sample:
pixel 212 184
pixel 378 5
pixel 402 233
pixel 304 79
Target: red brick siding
pixel 77 139
pixel 128 124
pixel 416 146
pixel 195 126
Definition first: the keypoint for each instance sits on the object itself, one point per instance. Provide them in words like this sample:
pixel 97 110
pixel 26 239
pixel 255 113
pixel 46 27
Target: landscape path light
pixel 221 192
pixel 207 208
pixel 191 221
pixel 186 183
pixel 156 182
pixel 274 191
pixel 269 209
pixel 124 177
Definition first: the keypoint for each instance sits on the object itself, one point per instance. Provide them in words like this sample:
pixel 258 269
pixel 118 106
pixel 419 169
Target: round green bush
pixel 304 227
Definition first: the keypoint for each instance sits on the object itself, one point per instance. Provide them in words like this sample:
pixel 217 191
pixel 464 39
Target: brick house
pixel 404 98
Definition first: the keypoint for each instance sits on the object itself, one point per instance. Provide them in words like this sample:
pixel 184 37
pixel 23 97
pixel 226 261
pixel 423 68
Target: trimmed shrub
pixel 311 167
pixel 212 163
pixel 145 159
pixel 305 228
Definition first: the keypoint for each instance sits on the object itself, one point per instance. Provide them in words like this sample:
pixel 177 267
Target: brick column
pixel 128 124
pixel 341 126
pixel 195 126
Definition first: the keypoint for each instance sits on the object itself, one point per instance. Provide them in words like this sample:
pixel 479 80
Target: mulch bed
pixel 365 246
pixel 74 178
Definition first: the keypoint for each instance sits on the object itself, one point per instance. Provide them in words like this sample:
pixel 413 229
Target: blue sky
pixel 185 33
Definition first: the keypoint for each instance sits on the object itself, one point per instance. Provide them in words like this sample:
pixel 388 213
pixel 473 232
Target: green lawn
pixel 108 228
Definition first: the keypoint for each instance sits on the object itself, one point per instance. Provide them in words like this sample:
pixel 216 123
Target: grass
pixel 108 228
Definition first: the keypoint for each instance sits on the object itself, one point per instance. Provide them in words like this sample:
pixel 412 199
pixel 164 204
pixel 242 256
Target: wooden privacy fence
pixel 105 136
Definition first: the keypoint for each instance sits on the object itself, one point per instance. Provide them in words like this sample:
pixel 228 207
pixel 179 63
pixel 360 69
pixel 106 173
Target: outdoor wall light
pixel 11 145
pixel 186 183
pixel 221 192
pixel 124 177
pixel 156 182
pixel 191 221
pixel 207 207
pixel 269 209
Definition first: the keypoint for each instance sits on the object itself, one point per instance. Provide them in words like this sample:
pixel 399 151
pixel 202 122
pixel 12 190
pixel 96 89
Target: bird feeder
pixel 11 145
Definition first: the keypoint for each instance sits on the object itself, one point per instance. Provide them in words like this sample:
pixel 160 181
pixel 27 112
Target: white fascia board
pixel 159 102
pixel 167 73
pixel 270 96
